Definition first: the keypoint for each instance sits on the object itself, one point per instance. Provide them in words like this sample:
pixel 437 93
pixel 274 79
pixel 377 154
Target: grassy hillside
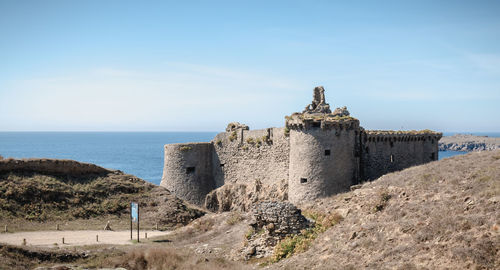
pixel 442 215
pixel 33 199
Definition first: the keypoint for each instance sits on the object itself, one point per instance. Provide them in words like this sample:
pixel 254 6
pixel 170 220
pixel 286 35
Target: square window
pixel 303 180
pixel 327 152
pixel 190 170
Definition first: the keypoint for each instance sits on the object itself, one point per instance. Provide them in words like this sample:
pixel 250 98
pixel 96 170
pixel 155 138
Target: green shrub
pixel 301 242
pixel 384 198
pixel 233 136
pixel 234 218
pixel 185 148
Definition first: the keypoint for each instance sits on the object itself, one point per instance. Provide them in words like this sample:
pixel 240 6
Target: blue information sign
pixel 134 212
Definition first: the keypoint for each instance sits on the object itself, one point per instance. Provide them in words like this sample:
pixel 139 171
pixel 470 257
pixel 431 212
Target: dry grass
pixel 234 218
pixel 166 258
pixel 32 201
pixel 301 242
pixel 440 215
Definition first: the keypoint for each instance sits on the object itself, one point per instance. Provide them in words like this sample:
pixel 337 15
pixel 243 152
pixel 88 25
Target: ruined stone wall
pixel 272 222
pixel 385 152
pixel 188 171
pixel 323 161
pixel 51 167
pixel 245 156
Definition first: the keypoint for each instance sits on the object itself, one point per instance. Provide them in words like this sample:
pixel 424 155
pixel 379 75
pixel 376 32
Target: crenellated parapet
pixel 400 136
pixel 305 121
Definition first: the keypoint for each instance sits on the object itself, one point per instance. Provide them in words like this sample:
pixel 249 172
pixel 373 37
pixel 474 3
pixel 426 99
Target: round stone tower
pixel 187 171
pixel 324 157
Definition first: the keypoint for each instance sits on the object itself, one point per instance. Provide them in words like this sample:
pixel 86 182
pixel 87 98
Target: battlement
pixel 324 121
pixel 399 136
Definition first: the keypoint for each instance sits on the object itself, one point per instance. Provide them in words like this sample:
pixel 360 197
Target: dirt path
pixel 74 238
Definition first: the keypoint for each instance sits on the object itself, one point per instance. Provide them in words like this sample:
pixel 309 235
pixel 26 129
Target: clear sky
pixel 197 65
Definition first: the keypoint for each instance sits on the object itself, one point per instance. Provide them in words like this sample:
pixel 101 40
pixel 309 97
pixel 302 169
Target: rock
pixel 272 222
pixel 461 142
pixel 236 125
pixel 341 112
pixel 318 105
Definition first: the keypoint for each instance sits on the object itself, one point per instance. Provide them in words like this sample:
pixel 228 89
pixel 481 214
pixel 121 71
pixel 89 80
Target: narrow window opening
pixel 392 158
pixel 316 124
pixel 222 165
pixel 327 152
pixel 303 180
pixel 392 144
pixel 433 156
pixel 190 170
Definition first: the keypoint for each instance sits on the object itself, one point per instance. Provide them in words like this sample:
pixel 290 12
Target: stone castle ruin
pixel 318 153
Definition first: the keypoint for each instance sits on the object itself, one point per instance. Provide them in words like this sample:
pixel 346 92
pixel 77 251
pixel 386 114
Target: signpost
pixel 134 217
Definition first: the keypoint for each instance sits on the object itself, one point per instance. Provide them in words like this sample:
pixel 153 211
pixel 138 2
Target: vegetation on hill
pixel 44 198
pixel 441 215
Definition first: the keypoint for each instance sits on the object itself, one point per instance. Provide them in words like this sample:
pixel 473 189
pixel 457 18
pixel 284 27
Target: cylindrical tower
pixel 187 171
pixel 323 155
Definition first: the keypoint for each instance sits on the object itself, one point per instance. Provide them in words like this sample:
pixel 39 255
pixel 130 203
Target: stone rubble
pixel 272 222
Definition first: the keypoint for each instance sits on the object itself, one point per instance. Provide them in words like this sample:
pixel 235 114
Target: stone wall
pixel 323 159
pixel 188 171
pixel 51 167
pixel 272 222
pixel 240 157
pixel 384 151
pixel 244 156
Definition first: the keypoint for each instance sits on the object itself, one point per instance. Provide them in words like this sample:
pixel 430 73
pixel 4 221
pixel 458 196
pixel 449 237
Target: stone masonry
pixel 272 222
pixel 318 153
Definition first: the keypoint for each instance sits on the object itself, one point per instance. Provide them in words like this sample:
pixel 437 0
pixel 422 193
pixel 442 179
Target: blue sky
pixel 197 65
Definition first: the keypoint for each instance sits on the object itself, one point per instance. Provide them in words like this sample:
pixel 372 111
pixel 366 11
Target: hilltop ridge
pixel 35 193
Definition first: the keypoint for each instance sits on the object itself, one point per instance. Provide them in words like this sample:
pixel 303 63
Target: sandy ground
pixel 74 238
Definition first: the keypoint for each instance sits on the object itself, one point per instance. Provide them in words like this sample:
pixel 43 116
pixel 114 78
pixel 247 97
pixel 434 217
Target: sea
pixel 137 153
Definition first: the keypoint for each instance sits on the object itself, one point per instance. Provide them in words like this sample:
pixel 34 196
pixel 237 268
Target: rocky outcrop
pixel 51 166
pixel 242 197
pixel 272 222
pixel 468 143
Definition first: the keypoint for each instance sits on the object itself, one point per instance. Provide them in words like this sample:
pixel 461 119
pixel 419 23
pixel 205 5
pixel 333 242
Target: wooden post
pixel 24 241
pixel 5 230
pixel 63 240
pixel 146 234
pixel 97 238
pixel 156 226
pixel 138 227
pixel 57 227
pixel 131 221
